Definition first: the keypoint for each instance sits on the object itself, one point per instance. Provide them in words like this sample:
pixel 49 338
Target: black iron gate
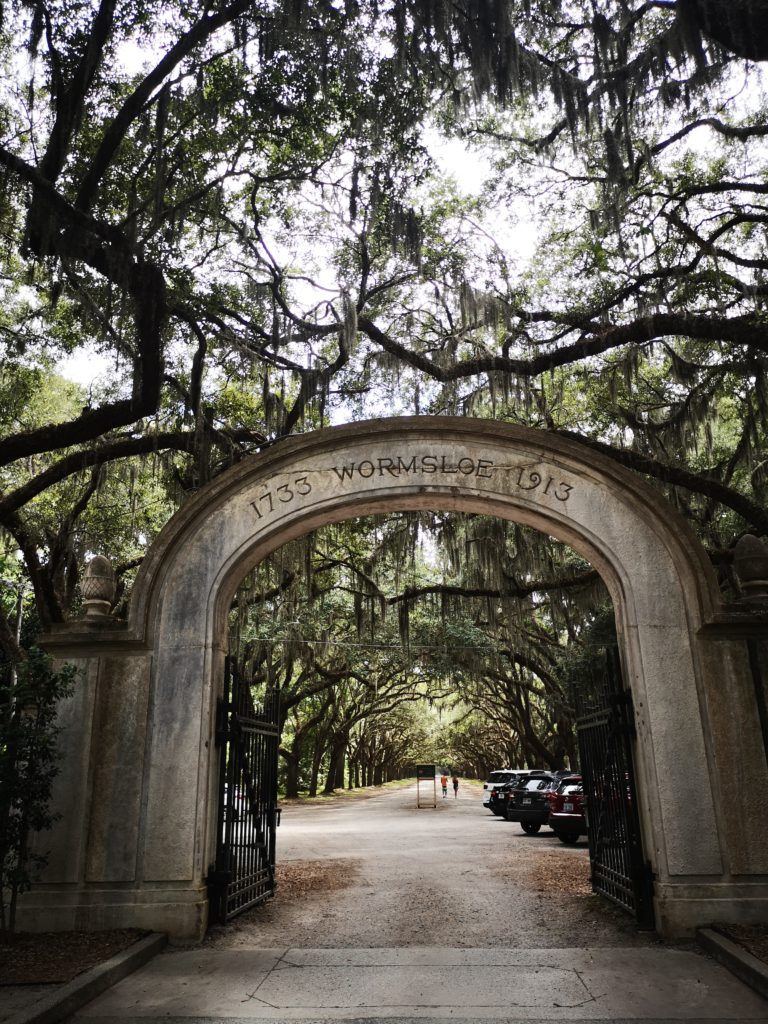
pixel 606 732
pixel 247 738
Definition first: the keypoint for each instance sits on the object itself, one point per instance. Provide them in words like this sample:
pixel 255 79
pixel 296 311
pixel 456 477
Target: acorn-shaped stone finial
pixel 98 587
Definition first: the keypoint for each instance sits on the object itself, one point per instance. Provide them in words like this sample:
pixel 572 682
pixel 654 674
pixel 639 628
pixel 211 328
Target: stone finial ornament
pixel 750 560
pixel 98 587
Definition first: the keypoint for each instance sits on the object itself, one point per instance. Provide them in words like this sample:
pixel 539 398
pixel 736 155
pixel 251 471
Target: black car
pixel 529 802
pixel 496 799
pixel 505 792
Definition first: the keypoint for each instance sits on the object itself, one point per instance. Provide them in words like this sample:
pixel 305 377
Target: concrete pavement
pixel 49 1004
pixel 436 984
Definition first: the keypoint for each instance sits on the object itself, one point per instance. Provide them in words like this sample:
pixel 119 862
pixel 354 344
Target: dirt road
pixel 379 872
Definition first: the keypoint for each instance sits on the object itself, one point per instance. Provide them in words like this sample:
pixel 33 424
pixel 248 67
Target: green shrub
pixel 28 765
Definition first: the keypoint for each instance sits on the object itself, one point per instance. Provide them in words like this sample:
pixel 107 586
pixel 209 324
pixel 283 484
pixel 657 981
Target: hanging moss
pixel 741 26
pixel 404 624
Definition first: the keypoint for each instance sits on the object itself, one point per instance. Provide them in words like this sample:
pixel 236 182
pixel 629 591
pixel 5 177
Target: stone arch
pixel 141 726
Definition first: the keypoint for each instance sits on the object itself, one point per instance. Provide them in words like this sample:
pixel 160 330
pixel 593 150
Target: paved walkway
pixel 649 985
pixel 383 948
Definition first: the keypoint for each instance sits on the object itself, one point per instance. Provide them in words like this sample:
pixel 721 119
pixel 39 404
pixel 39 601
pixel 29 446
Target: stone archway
pixel 137 793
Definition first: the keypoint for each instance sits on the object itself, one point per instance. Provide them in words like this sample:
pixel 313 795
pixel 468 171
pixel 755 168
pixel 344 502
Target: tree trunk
pixel 335 779
pixel 291 773
pixel 317 757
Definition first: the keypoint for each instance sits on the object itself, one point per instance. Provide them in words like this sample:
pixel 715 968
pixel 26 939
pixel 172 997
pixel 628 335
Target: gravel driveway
pixel 379 872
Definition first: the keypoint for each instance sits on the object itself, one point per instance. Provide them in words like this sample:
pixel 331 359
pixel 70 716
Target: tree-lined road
pixel 450 876
pixel 446 916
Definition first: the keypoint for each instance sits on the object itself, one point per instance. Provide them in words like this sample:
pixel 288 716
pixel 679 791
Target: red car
pixel 566 812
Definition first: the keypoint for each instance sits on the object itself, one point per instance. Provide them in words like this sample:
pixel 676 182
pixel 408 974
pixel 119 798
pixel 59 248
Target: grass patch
pixel 361 793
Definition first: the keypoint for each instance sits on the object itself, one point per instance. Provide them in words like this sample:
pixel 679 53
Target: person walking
pixel 444 784
pixel 455 781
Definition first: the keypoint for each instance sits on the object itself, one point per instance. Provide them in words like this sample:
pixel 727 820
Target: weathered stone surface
pixel 180 738
pixel 656 571
pixel 65 842
pixel 120 722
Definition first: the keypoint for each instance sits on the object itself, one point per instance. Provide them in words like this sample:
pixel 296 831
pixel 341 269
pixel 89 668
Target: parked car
pixel 567 811
pixel 497 799
pixel 530 801
pixel 495 781
pixel 505 792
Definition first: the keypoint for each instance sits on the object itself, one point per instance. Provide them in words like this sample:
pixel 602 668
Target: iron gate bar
pixel 244 871
pixel 605 729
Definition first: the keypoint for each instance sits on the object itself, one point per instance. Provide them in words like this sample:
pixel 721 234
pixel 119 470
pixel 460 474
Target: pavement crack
pixel 591 997
pixel 282 962
pixel 251 996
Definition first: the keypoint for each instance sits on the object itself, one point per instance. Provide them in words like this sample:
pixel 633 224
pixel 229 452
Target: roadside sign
pixel 425 774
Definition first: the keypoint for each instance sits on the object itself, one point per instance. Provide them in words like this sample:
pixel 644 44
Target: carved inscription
pixel 299 487
pixel 284 494
pixel 428 465
pixel 530 480
pixel 425 465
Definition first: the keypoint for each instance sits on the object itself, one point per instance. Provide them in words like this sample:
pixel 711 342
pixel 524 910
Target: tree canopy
pixel 244 209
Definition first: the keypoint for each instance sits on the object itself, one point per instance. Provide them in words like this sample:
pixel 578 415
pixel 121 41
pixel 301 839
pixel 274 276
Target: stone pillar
pixel 750 560
pixel 734 652
pixel 93 848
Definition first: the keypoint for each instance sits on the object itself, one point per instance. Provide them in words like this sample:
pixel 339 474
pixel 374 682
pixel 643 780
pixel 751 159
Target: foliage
pixel 28 765
pixel 239 207
pixel 173 178
pixel 417 636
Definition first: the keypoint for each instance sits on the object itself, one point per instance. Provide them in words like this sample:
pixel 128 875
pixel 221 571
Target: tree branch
pixel 756 515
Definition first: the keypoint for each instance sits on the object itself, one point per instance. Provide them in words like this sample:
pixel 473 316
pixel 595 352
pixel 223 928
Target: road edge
pixel 738 960
pixel 69 998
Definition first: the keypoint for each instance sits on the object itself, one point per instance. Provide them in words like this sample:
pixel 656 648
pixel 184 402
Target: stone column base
pixel 181 913
pixel 682 907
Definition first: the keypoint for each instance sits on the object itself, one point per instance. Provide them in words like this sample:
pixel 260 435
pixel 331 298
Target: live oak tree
pixel 418 615
pixel 238 204
pixel 143 150
pixel 312 620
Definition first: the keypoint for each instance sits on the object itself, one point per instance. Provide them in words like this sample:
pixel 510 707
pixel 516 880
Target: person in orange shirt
pixel 444 784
